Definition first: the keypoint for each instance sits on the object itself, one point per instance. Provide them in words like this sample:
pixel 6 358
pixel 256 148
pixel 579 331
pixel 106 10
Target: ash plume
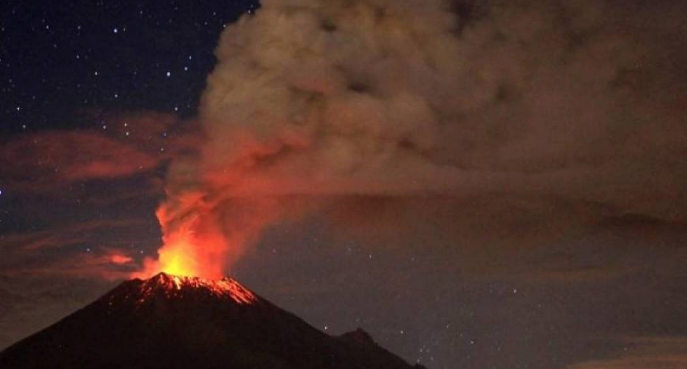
pixel 407 98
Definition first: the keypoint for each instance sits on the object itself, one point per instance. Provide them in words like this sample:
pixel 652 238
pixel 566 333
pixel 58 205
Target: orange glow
pixel 178 286
pixel 193 245
pixel 177 258
pixel 201 238
pixel 182 255
pixel 120 259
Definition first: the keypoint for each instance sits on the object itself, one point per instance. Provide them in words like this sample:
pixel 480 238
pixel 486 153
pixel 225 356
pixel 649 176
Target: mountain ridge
pixel 186 322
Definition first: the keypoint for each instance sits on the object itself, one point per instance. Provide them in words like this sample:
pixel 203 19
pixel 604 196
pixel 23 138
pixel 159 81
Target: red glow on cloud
pixel 133 143
pixel 193 245
pixel 201 241
pixel 72 156
pixel 120 259
pixel 183 254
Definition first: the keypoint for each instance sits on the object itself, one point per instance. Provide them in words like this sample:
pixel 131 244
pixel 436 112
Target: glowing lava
pixel 193 246
pixel 177 258
pixel 203 237
pixel 183 255
pixel 174 286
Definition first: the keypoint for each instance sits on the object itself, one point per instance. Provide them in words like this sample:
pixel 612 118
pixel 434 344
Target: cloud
pixel 642 353
pixel 82 199
pixel 79 250
pixel 53 158
pixel 131 144
pixel 539 240
pixel 105 264
pixel 380 97
pixel 401 99
pixel 611 247
pixel 60 236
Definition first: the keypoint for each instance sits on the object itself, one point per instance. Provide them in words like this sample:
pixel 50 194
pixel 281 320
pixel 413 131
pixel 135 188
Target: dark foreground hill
pixel 190 323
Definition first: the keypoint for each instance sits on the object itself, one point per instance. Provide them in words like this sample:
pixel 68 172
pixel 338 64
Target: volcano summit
pixel 186 322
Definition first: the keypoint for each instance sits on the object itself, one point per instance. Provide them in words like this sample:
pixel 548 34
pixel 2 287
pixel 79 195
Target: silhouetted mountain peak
pixel 358 336
pixel 171 322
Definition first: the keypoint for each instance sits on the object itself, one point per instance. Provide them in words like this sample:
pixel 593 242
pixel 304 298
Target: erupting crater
pixel 181 286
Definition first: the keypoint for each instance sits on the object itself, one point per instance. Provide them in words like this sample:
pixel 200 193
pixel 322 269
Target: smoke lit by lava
pixel 391 99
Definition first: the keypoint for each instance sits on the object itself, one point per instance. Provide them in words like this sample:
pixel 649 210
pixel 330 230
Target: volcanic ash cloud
pixel 401 98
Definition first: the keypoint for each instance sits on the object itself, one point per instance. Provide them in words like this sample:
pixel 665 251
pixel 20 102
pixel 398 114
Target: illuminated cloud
pixel 86 250
pixel 643 353
pixel 527 99
pixel 130 145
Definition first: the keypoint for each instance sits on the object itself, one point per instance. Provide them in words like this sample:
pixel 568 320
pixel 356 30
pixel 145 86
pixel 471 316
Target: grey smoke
pixel 404 98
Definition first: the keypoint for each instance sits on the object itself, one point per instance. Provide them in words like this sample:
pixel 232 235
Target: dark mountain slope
pixel 182 322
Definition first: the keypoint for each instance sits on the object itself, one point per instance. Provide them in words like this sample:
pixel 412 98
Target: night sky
pixel 555 238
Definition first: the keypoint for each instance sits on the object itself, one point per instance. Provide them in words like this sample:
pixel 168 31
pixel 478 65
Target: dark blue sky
pixel 60 59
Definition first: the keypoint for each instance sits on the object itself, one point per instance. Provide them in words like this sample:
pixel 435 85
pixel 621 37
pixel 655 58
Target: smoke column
pixel 420 97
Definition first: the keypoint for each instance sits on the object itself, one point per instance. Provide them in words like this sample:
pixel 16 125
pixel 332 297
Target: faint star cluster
pixel 58 58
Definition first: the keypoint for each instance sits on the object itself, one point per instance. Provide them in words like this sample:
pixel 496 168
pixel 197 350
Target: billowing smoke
pixel 313 98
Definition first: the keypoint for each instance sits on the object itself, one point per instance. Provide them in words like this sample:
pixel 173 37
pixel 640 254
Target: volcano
pixel 186 322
